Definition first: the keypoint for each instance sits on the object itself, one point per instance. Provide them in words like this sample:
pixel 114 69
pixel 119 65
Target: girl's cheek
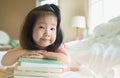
pixel 40 32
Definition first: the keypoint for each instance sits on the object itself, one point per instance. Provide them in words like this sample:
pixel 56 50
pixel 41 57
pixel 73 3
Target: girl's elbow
pixel 5 62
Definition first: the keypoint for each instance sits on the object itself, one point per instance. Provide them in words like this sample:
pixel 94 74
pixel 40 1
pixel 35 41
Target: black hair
pixel 26 38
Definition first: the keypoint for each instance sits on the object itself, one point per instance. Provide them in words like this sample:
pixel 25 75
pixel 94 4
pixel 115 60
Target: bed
pixel 97 56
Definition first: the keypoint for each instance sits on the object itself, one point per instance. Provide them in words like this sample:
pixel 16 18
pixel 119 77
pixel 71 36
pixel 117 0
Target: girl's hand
pixel 43 52
pixel 34 54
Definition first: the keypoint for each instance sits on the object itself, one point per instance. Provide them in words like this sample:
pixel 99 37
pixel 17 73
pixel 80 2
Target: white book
pixel 28 64
pixel 32 73
pixel 28 77
pixel 33 77
pixel 41 69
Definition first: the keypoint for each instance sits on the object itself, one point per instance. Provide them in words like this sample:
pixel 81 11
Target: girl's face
pixel 44 32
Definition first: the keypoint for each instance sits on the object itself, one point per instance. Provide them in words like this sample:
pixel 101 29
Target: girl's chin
pixel 44 46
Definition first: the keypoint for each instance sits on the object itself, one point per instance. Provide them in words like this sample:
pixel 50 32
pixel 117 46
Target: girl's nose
pixel 47 32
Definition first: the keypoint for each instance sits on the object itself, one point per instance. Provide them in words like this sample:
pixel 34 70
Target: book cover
pixel 44 61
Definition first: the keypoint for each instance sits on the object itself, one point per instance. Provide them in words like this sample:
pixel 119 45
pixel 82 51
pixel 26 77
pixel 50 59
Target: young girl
pixel 41 36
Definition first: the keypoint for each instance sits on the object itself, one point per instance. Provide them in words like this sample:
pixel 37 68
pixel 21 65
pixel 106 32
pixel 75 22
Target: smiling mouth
pixel 45 39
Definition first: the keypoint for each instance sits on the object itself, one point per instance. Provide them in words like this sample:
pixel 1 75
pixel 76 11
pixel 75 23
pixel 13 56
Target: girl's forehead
pixel 44 13
pixel 46 16
pixel 48 19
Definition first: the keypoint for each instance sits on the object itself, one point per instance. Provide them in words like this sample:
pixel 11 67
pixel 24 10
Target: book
pixel 35 77
pixel 44 61
pixel 25 64
pixel 33 73
pixel 28 77
pixel 29 62
pixel 41 69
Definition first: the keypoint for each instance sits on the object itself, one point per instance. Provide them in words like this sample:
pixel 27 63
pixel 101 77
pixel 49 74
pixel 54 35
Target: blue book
pixel 30 62
pixel 41 61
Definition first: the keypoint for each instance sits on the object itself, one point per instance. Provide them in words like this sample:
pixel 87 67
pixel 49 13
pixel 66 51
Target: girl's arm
pixel 11 57
pixel 60 56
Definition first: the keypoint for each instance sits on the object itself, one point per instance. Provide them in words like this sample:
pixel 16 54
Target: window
pixel 101 11
pixel 42 2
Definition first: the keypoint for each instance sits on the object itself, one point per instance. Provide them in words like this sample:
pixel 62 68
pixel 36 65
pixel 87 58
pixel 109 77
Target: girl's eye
pixel 41 27
pixel 52 29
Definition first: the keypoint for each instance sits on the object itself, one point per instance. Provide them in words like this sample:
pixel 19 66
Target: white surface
pixel 74 75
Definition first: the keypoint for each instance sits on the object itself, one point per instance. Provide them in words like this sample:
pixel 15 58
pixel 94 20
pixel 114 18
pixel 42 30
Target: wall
pixel 12 14
pixel 70 8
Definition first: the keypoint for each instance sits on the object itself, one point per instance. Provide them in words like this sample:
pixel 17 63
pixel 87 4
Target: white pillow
pixel 106 28
pixel 4 38
pixel 116 19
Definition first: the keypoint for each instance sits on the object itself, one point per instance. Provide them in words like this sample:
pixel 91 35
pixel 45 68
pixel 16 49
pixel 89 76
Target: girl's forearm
pixel 12 57
pixel 58 56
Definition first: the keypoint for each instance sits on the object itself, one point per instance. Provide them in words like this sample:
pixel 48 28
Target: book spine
pixel 32 73
pixel 41 69
pixel 16 76
pixel 25 64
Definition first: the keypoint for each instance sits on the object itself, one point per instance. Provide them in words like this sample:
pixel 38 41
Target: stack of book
pixel 39 68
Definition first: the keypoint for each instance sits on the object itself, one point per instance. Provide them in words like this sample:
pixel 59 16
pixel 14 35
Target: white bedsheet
pixel 71 74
